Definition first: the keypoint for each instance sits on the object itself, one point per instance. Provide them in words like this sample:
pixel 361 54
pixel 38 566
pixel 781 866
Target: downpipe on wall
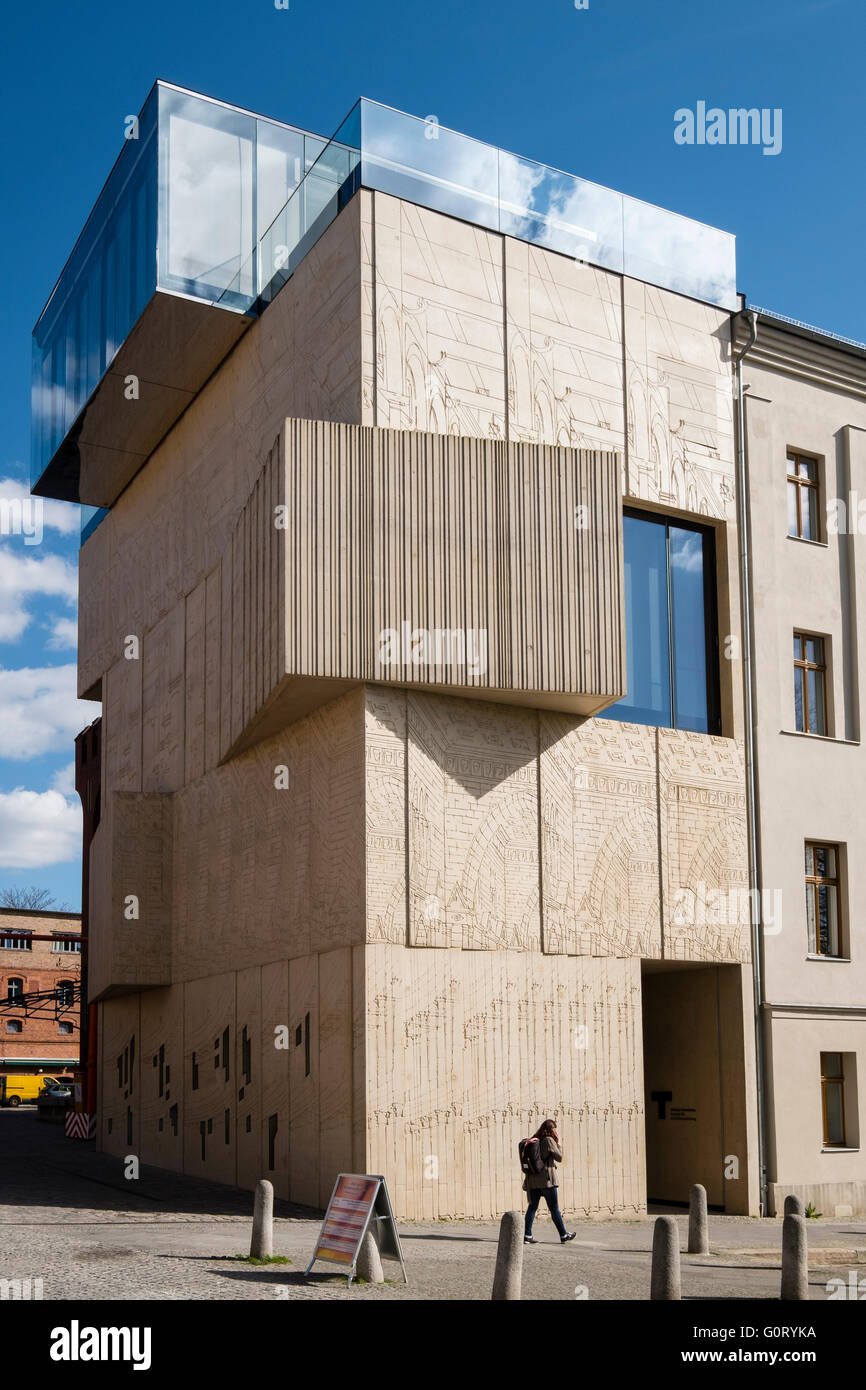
pixel 750 318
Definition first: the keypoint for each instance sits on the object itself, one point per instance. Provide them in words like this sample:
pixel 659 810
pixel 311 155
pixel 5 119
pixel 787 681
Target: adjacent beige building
pixel 380 880
pixel 805 415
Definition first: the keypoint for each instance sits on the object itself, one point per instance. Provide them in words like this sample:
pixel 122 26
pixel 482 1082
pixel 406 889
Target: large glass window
pixel 671 630
pixel 206 174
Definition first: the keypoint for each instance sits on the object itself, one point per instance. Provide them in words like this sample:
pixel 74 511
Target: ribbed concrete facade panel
pixel 469 564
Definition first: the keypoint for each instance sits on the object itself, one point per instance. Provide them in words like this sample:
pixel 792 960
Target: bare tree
pixel 33 899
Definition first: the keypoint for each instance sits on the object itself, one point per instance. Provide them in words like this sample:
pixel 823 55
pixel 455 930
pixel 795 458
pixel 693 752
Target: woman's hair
pixel 545 1129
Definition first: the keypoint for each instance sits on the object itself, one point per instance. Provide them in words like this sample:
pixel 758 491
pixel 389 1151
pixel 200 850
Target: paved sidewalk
pixel 69 1217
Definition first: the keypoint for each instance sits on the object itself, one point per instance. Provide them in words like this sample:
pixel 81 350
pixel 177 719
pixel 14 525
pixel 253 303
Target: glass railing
pixel 423 162
pixel 220 205
pixel 102 290
pixel 329 182
pixel 438 168
pixel 183 211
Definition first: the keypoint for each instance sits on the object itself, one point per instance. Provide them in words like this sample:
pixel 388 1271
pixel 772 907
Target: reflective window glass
pixel 670 625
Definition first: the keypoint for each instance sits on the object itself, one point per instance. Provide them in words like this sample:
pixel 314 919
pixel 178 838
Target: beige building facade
pixel 378 882
pixel 805 415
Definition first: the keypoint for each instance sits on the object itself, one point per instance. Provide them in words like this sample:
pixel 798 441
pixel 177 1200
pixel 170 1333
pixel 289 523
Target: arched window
pixel 15 988
pixel 13 1025
pixel 64 993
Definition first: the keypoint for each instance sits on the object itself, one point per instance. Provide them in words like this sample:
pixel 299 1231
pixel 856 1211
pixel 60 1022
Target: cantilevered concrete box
pixel 465 565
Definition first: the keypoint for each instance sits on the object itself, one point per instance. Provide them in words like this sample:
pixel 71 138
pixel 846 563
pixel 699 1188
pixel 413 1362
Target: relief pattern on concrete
pixel 600 834
pixel 544 349
pixel 473 828
pixel 703 809
pixel 532 831
pixel 680 402
pixel 468 1051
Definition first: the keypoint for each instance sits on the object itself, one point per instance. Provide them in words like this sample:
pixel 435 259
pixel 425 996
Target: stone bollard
pixel 509 1258
pixel 699 1235
pixel 665 1279
pixel 262 1243
pixel 369 1263
pixel 794 1206
pixel 795 1259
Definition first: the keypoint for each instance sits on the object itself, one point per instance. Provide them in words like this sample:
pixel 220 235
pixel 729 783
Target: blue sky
pixel 592 91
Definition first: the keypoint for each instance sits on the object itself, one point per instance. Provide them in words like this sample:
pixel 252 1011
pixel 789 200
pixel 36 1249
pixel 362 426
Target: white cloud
pixel 39 711
pixel 38 829
pixel 64 779
pixel 23 576
pixel 57 516
pixel 64 633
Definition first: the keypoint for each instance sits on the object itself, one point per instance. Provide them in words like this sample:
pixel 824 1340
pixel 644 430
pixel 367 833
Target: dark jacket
pixel 551 1153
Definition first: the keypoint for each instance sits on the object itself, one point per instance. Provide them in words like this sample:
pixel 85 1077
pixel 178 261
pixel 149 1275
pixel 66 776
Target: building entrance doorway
pixel 695 1083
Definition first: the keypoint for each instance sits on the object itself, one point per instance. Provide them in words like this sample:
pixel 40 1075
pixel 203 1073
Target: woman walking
pixel 544 1184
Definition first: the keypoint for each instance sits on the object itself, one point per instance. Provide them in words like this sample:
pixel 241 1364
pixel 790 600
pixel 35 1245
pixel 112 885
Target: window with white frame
pixel 17 943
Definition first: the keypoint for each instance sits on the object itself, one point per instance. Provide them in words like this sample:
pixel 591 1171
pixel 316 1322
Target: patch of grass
pixel 812 1213
pixel 260 1259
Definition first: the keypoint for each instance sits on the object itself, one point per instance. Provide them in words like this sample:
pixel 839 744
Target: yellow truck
pixel 23 1090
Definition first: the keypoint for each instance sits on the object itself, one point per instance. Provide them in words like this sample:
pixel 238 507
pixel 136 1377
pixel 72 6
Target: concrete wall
pixel 429 856
pixel 496 840
pixel 531 830
pixel 470 332
pixel 196 1100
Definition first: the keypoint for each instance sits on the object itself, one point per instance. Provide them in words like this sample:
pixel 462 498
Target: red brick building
pixel 39 991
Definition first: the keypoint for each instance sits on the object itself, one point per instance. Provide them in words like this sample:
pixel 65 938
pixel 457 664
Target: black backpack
pixel 531 1161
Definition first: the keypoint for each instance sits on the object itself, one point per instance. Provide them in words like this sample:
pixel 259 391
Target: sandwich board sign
pixel 358 1200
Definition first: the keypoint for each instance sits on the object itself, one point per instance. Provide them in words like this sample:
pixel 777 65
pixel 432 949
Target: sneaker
pixel 530 1240
pixel 570 1235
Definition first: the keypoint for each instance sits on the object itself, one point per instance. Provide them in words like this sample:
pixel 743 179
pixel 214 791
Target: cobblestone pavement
pixel 68 1217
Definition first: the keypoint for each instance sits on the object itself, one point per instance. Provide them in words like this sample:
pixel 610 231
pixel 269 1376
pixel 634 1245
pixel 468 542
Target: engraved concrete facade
pixel 469 332
pixel 441 926
pixel 496 842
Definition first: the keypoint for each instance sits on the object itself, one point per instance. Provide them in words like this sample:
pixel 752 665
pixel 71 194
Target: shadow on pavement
pixel 40 1167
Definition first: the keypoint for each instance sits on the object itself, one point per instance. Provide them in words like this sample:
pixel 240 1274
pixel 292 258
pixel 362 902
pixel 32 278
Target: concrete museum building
pixel 412 591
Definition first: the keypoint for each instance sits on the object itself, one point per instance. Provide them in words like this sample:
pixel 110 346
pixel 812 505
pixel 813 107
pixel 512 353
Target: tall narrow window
pixel 822 900
pixel 15 989
pixel 671 627
pixel 803 498
pixel 810 671
pixel 833 1099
